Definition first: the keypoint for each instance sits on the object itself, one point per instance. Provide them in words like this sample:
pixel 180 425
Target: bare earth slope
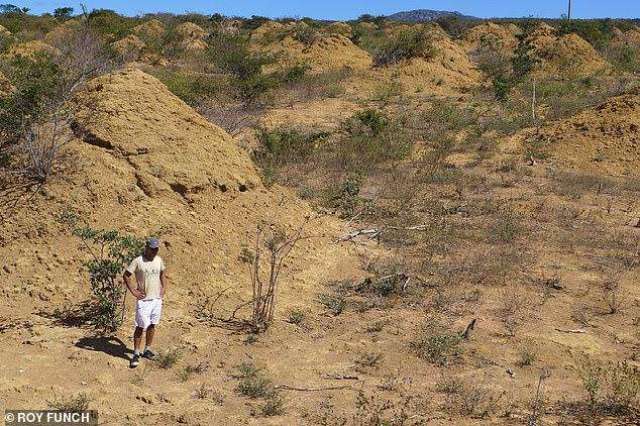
pixel 604 139
pixel 145 164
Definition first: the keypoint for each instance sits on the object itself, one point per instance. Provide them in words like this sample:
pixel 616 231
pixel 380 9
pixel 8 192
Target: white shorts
pixel 148 312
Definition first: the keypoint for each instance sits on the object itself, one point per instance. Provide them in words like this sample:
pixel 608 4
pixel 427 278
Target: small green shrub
pixel 169 358
pixel 76 403
pixel 502 88
pixel 613 386
pixel 527 355
pixel 273 405
pixel 296 316
pixel 193 89
pixel 230 53
pixel 295 73
pixel 449 385
pixel 436 344
pixel 505 229
pixel 335 303
pixel 374 120
pixel 252 383
pixel 108 22
pixel 409 43
pixel 306 34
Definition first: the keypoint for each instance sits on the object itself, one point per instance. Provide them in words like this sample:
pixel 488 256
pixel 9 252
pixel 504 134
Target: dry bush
pixel 611 387
pixel 36 117
pixel 613 296
pixel 470 399
pixel 513 308
pixel 77 403
pixel 437 344
pixel 376 410
pixel 527 353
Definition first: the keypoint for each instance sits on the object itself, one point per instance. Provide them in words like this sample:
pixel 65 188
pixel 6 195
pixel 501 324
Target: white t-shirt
pixel 147 274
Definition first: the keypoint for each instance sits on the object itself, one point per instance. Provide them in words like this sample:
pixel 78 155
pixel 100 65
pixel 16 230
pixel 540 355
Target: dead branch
pixel 577 331
pixel 470 327
pixel 375 233
pixel 328 388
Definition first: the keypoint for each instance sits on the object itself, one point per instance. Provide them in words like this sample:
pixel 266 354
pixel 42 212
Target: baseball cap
pixel 153 243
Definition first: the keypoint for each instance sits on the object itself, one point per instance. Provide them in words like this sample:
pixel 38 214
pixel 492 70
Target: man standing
pixel 151 286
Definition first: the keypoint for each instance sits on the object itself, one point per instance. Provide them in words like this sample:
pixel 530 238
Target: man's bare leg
pixel 149 338
pixel 137 340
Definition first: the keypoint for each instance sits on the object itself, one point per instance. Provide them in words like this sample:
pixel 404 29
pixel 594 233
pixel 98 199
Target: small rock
pixel 83 383
pixel 6 269
pixel 510 372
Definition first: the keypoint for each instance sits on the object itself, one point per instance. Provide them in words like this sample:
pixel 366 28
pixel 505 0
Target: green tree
pixel 63 13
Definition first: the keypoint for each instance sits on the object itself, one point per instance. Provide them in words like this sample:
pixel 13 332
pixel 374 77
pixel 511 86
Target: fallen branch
pixel 328 388
pixel 371 233
pixel 375 233
pixel 341 377
pixel 470 327
pixel 578 331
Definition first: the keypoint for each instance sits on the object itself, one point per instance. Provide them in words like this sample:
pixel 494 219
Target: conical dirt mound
pixel 450 68
pixel 296 43
pixel 492 37
pixel 603 140
pixel 563 55
pixel 141 120
pixel 145 163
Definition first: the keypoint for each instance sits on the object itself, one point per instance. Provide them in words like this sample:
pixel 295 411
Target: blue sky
pixel 346 9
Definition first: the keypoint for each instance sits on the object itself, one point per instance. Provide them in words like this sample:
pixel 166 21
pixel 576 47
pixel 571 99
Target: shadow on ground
pixel 109 345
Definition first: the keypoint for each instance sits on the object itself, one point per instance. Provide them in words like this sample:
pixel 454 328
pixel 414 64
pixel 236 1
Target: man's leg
pixel 154 318
pixel 137 339
pixel 149 338
pixel 137 342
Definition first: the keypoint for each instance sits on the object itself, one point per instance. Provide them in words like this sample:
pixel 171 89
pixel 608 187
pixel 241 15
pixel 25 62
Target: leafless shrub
pixel 232 117
pixel 82 56
pixel 612 295
pixel 264 281
pixel 538 403
pixel 512 309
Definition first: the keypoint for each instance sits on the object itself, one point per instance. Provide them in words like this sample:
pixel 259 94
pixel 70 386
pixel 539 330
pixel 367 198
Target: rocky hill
pixel 426 15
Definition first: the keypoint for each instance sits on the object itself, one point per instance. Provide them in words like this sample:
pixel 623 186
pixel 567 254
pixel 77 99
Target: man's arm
pixel 163 283
pixel 134 290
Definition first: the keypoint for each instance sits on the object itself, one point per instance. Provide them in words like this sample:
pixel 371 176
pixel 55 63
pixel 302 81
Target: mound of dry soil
pixel 563 55
pixel 190 37
pixel 603 140
pixel 450 68
pixel 145 163
pixel 152 30
pixel 492 37
pixel 30 48
pixel 328 51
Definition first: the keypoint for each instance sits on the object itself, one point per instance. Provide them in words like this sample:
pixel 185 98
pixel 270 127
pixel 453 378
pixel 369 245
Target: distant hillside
pixel 425 15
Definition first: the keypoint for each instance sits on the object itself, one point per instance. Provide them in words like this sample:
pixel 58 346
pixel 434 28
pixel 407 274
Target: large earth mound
pixel 603 140
pixel 296 43
pixel 493 37
pixel 561 55
pixel 151 30
pixel 144 162
pixel 449 69
pixel 190 37
pixel 30 49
